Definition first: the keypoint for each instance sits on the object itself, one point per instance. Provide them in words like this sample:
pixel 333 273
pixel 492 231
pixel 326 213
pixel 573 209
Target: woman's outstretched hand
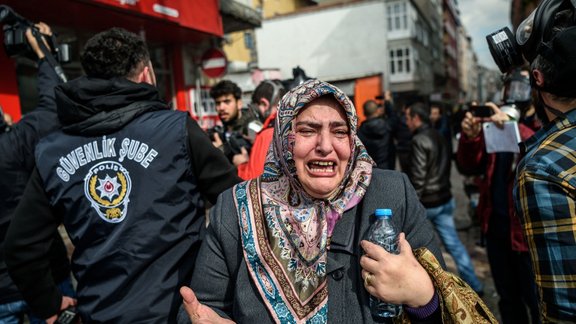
pixel 199 313
pixel 397 279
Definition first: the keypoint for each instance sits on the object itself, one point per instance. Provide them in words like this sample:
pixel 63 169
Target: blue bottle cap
pixel 383 212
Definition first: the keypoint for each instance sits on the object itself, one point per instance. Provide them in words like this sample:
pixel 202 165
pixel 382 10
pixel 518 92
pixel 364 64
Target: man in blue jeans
pixel 429 172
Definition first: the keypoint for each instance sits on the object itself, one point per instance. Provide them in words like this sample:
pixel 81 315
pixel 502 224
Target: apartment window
pixel 400 61
pixel 397 16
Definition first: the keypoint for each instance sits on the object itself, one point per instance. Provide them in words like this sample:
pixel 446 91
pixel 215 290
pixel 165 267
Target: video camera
pixel 235 140
pixel 15 41
pixel 533 36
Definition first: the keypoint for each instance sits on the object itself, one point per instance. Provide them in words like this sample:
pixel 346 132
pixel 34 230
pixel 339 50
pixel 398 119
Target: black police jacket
pixel 126 181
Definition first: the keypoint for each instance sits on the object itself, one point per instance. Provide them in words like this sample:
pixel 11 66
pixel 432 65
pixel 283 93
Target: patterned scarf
pixel 285 232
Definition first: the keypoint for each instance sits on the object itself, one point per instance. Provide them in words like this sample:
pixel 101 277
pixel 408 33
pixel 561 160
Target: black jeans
pixel 514 281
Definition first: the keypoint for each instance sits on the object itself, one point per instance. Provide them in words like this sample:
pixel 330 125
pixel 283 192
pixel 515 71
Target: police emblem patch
pixel 107 185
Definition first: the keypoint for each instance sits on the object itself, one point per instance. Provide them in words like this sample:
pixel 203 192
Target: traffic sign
pixel 214 63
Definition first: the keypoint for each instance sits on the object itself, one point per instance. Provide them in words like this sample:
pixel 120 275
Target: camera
pixel 235 140
pixel 532 37
pixel 15 41
pixel 68 316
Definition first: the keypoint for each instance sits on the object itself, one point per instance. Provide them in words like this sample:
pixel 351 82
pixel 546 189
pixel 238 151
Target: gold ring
pixel 367 279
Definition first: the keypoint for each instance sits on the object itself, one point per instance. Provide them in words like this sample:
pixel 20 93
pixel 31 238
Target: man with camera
pixel 17 144
pixel 234 134
pixel 506 247
pixel 265 100
pixel 545 188
pixel 127 177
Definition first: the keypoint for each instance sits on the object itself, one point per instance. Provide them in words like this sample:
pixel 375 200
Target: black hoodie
pixel 375 135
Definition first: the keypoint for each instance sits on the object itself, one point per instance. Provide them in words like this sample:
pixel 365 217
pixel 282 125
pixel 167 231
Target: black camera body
pixel 235 141
pixel 532 37
pixel 15 41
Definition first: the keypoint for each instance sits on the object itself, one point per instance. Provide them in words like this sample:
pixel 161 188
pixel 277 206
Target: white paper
pixel 504 139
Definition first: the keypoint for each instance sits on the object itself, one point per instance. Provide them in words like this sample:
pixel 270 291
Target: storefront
pixel 177 31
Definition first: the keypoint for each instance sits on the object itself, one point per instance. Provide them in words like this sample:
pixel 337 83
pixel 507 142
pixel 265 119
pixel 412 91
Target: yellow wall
pixel 235 48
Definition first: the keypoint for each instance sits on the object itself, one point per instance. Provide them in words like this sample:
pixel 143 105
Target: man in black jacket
pixel 232 136
pixel 126 176
pixel 429 172
pixel 17 144
pixel 375 134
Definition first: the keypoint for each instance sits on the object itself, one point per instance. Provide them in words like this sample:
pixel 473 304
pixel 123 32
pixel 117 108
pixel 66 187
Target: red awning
pixel 163 21
pixel 199 15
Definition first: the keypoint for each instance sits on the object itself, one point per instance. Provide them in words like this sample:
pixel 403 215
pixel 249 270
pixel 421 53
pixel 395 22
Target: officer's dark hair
pixel 370 107
pixel 271 90
pixel 421 110
pixel 226 87
pixel 113 53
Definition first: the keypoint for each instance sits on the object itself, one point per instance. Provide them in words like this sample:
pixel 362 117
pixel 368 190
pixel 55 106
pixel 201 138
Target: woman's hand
pixel 200 313
pixel 397 279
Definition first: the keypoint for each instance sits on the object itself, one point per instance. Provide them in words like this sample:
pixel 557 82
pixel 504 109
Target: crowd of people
pixel 291 182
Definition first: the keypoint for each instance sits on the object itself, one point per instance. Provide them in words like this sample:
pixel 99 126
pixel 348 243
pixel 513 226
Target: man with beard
pixel 505 245
pixel 232 136
pixel 126 176
pixel 545 189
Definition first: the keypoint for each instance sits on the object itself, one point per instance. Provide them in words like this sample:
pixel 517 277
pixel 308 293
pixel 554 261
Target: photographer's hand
pixel 44 30
pixel 217 141
pixel 241 158
pixel 471 126
pixel 499 117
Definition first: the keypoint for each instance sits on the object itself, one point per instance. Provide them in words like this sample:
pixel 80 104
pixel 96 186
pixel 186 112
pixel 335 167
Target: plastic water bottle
pixel 383 234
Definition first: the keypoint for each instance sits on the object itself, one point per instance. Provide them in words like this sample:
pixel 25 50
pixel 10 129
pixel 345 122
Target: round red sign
pixel 214 63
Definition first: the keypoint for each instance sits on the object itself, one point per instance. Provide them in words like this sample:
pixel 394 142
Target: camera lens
pixel 504 49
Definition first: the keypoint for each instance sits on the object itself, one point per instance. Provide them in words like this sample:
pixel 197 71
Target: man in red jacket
pixel 505 245
pixel 266 98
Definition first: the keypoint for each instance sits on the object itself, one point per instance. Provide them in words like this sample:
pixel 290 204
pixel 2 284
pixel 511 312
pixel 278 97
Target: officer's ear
pixel 146 75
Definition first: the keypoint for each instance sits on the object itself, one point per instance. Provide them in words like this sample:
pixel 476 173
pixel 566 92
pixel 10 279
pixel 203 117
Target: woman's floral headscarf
pixel 285 232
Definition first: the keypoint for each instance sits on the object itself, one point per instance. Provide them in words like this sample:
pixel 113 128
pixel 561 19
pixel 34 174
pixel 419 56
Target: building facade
pixel 467 67
pixel 364 47
pixel 451 91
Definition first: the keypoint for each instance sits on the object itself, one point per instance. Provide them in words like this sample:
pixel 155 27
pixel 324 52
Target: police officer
pixel 126 176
